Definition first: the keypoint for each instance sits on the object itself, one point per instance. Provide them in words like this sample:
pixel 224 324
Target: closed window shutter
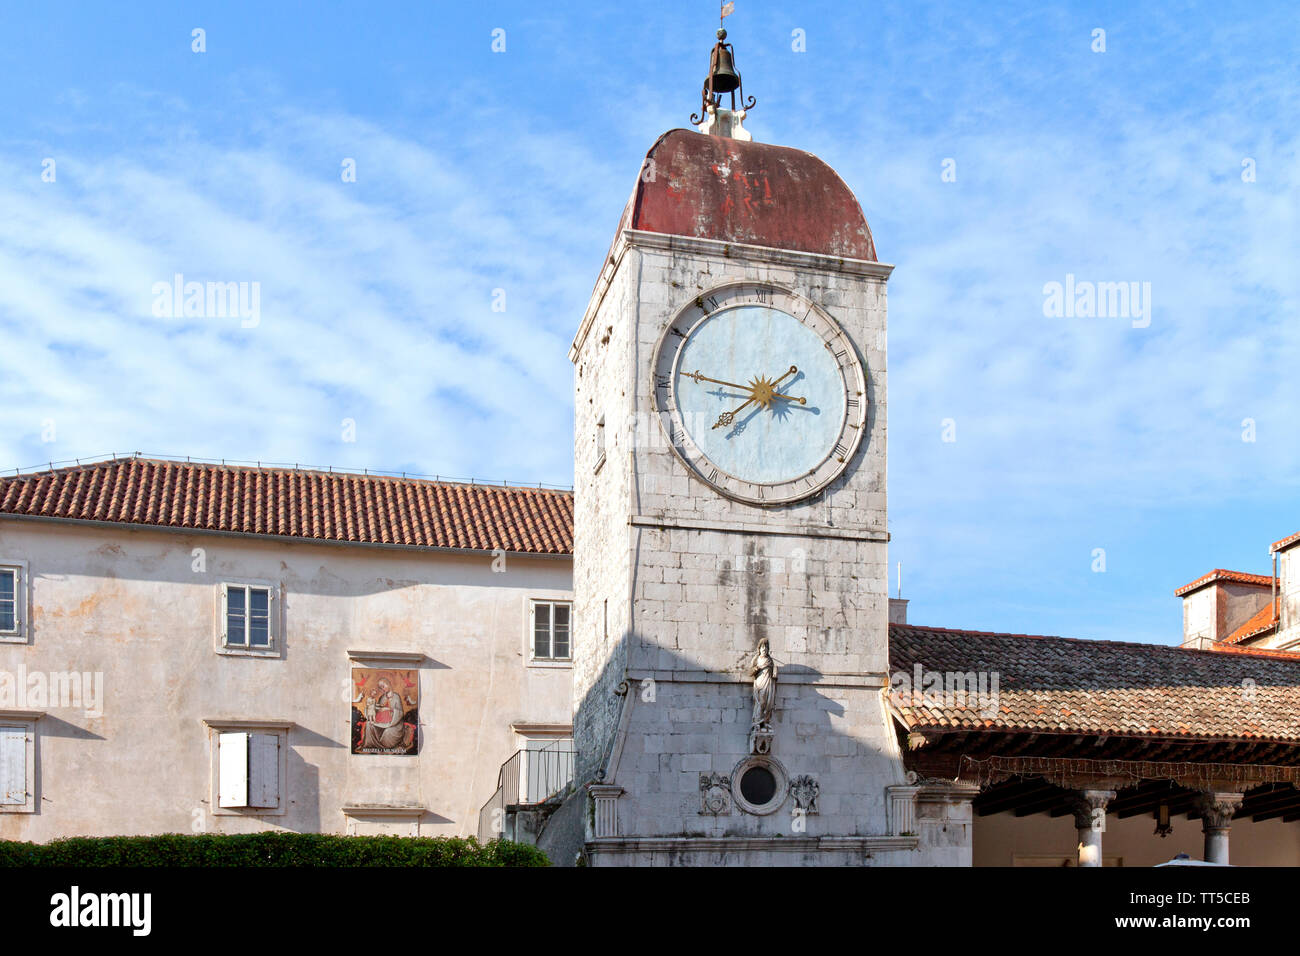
pixel 13 766
pixel 232 750
pixel 263 770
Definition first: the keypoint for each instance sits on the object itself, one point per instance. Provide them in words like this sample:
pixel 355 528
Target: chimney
pixel 897 610
pixel 1216 604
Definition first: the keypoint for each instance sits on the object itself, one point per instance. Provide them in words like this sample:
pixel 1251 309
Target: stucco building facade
pixel 117 671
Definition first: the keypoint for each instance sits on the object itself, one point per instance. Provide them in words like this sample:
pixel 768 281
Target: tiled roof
pixel 1219 574
pixel 1285 542
pixel 327 506
pixel 1263 620
pixel 1060 685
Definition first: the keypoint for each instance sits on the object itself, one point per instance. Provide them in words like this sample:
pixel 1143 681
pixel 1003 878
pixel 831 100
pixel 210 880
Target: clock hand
pixel 726 418
pixel 760 390
pixel 698 377
pixel 764 389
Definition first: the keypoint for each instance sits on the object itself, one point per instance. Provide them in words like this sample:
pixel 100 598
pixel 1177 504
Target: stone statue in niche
pixel 805 790
pixel 715 794
pixel 762 671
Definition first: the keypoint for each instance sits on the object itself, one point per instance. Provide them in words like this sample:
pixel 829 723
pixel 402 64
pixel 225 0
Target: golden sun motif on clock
pixel 760 393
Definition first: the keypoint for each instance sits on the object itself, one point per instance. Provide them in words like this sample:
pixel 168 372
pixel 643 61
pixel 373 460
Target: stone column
pixel 1217 808
pixel 1089 807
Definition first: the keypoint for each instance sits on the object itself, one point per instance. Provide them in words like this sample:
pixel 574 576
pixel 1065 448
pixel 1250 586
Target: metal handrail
pixel 528 779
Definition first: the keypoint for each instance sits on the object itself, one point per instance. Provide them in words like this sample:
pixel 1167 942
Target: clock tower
pixel 730 559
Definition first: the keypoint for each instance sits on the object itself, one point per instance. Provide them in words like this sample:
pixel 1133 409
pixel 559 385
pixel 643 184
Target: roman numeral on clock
pixel 662 381
pixel 841 450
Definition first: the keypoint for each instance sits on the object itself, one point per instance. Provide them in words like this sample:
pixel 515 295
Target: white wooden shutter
pixel 13 766
pixel 263 770
pixel 232 770
pixel 225 615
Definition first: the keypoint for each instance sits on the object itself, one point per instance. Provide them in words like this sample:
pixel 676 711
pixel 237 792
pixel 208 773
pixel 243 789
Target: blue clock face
pixel 763 438
pixel 760 393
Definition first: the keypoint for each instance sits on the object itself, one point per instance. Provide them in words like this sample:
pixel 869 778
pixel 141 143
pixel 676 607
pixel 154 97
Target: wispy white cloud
pixel 376 300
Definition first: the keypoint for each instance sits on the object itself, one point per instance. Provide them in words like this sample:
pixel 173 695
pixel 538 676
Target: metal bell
pixel 722 70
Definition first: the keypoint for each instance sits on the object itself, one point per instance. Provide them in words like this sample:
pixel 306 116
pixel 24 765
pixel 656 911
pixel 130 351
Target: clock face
pixel 760 392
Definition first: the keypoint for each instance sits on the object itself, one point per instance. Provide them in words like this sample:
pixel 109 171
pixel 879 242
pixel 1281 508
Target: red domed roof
pixel 714 187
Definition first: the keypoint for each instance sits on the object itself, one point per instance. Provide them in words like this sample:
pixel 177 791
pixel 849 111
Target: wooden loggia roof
pixel 299 504
pixel 1055 685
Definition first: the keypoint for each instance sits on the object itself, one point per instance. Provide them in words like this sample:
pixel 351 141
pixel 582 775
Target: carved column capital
pixel 605 797
pixel 1089 808
pixel 1217 808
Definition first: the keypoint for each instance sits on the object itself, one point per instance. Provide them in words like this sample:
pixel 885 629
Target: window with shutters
pixel 248 619
pixel 17 764
pixel 551 629
pixel 248 766
pixel 13 606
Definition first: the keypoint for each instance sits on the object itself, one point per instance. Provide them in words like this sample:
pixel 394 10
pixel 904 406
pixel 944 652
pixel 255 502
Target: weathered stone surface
pixel 676 585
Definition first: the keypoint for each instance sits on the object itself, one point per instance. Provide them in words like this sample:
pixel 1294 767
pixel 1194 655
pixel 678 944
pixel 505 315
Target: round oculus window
pixel 758 786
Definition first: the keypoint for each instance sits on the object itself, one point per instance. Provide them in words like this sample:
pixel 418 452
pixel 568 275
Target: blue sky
pixel 478 171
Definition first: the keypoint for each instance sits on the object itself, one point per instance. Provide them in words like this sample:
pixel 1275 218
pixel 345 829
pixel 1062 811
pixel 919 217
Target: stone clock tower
pixel 730 560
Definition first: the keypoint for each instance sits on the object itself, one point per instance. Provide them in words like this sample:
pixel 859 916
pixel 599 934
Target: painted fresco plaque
pixel 385 711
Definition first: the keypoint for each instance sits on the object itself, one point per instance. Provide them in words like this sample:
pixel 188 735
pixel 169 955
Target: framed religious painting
pixel 385 711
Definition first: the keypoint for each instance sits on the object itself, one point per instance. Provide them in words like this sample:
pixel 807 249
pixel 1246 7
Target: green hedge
pixel 269 849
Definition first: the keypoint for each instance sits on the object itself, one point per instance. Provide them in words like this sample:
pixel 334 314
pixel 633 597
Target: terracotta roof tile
pixel 328 506
pixel 1260 622
pixel 1219 574
pixel 1060 685
pixel 1285 542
